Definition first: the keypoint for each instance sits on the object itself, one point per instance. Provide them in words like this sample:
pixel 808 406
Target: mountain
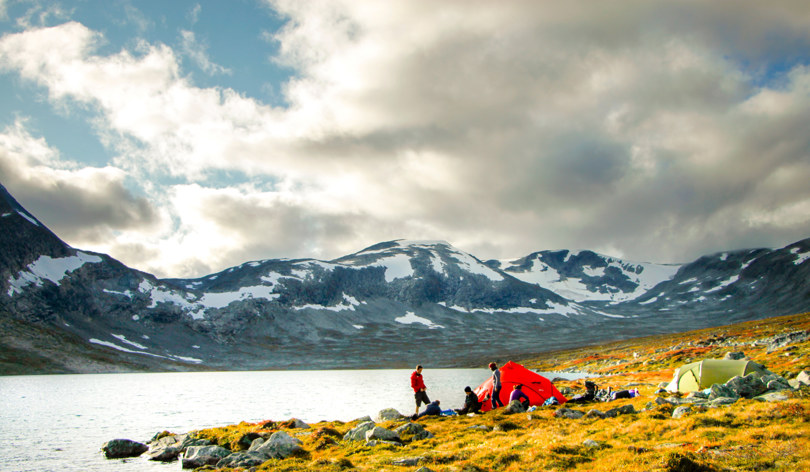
pixel 393 304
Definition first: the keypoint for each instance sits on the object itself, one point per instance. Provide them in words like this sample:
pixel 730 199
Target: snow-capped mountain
pixel 393 304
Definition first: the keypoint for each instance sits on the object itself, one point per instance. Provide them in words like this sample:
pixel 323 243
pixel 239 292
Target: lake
pixel 59 422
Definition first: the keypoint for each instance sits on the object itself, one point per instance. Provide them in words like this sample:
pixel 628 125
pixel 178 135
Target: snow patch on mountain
pixel 124 340
pixel 410 318
pixel 49 268
pixel 223 299
pixel 801 257
pixel 397 266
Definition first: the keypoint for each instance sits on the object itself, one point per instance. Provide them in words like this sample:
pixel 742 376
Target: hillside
pixel 378 307
pixel 646 433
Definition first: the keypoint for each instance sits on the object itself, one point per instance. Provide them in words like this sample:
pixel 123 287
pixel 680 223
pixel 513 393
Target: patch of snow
pixel 195 346
pixel 800 257
pixel 223 299
pixel 127 294
pixel 135 317
pixel 724 257
pixel 396 267
pixel 6 215
pixel 49 268
pixel 688 281
pixel 124 340
pixel 652 300
pixel 123 349
pixel 471 264
pixel 724 284
pixel 359 326
pixel 145 336
pixel 188 359
pixel 410 318
pixel 30 219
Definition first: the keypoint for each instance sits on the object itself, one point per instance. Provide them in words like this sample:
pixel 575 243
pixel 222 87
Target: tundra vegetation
pixel 746 435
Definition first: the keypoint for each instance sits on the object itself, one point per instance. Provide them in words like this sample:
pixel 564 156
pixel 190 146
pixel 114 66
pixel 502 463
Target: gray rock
pixel 298 424
pixel 722 401
pixel 681 411
pixel 480 427
pixel 804 377
pixel 568 413
pixel 242 459
pixel 256 444
pixel 407 461
pixel 595 414
pixel 379 433
pixel 722 391
pixel 198 456
pixel 424 469
pixel 734 356
pixel 515 407
pixel 380 442
pixel 279 446
pixel 747 387
pixel 165 449
pixel 623 410
pixel 358 433
pixel 118 448
pixel 591 443
pixel 415 431
pixel 364 419
pixel 389 414
pixel 772 397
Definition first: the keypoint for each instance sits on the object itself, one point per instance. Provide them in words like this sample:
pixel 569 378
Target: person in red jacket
pixel 419 389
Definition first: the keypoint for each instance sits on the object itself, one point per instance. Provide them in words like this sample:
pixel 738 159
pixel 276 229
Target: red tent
pixel 535 386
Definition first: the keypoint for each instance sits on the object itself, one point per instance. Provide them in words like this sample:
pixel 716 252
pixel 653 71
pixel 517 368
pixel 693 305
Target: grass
pixel 746 436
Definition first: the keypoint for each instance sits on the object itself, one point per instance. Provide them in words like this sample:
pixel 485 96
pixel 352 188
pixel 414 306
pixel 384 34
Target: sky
pixel 186 137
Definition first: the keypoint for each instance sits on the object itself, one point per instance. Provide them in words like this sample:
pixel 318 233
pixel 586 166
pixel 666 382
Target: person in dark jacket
pixel 496 385
pixel 471 403
pixel 432 409
pixel 419 389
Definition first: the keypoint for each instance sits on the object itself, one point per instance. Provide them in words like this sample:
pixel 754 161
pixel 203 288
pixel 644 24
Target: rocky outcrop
pixel 279 446
pixel 198 456
pixel 119 448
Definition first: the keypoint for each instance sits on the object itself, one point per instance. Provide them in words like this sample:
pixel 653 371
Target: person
pixel 471 403
pixel 517 394
pixel 496 386
pixel 419 389
pixel 432 408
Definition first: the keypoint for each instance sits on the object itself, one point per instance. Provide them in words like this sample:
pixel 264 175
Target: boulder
pixel 165 449
pixel 242 459
pixel 407 461
pixel 594 413
pixel 118 448
pixel 381 434
pixel 515 407
pixel 804 377
pixel 389 414
pixel 295 423
pixel 568 413
pixel 257 443
pixel 279 446
pixel 681 411
pixel 413 432
pixel 198 456
pixel 358 433
pixel 722 391
pixel 747 387
pixel 622 410
pixel 772 397
pixel 591 443
pixel 734 356
pixel 722 401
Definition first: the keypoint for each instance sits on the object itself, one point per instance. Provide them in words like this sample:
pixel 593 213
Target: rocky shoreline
pixel 281 440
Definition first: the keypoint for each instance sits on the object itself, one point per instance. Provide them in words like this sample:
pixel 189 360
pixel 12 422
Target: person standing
pixel 496 385
pixel 419 389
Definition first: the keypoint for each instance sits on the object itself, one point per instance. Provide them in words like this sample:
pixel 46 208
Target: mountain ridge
pixel 392 304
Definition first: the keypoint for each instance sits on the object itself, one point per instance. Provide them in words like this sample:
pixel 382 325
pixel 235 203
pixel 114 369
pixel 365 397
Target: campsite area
pixel 650 432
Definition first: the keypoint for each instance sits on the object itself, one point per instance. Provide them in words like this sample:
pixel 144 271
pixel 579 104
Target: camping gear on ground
pixel 703 374
pixel 591 392
pixel 535 386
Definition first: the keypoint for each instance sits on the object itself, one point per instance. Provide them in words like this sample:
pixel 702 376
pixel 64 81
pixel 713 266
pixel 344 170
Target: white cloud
pixel 663 131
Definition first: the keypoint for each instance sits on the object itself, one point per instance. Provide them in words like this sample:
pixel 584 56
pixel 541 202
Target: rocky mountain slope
pixel 390 305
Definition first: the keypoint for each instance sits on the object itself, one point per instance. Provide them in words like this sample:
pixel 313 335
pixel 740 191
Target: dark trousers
pixel 421 397
pixel 496 398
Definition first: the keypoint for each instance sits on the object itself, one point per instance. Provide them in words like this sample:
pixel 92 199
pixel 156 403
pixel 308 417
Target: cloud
pixel 661 131
pixel 197 52
pixel 78 203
